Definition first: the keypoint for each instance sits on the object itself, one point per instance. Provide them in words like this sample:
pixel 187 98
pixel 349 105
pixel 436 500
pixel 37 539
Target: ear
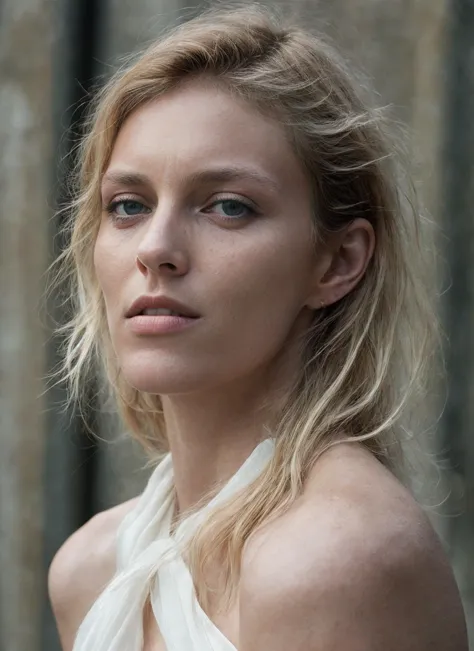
pixel 344 263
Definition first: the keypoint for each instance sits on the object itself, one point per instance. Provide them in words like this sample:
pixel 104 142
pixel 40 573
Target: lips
pixel 159 306
pixel 159 311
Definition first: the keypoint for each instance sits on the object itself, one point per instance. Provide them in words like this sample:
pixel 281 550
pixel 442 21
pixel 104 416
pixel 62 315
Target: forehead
pixel 196 124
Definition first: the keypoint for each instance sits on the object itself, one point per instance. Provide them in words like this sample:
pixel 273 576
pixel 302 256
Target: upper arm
pixel 81 569
pixel 396 595
pixel 76 577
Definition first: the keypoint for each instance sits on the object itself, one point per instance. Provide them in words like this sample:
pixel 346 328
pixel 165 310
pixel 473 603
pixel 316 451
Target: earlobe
pixel 316 305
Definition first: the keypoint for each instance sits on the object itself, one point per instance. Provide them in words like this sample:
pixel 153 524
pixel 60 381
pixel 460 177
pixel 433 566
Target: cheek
pixel 112 263
pixel 263 290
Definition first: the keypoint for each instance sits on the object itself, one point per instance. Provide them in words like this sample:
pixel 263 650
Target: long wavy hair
pixel 366 358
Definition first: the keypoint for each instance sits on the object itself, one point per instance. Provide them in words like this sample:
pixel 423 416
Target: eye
pixel 234 209
pixel 123 209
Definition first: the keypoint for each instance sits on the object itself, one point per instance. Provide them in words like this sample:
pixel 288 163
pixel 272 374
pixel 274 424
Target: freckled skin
pixel 250 279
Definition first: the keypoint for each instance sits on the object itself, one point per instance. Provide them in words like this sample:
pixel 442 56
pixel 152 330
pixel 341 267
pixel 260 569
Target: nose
pixel 163 247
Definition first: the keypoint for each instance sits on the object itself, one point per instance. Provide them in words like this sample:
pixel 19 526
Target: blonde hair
pixel 366 357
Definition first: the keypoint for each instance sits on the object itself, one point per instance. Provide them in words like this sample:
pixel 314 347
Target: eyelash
pixel 251 209
pixel 113 205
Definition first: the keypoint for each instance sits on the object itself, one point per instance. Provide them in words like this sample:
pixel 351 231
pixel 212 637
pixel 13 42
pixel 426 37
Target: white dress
pixel 147 564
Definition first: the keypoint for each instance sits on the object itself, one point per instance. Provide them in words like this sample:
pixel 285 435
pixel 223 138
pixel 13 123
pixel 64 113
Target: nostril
pixel 164 262
pixel 141 265
pixel 169 265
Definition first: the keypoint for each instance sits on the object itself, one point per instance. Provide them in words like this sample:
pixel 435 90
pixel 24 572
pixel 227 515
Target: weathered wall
pixel 458 303
pixel 25 164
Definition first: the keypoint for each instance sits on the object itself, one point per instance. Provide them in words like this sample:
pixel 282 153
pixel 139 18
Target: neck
pixel 211 433
pixel 210 437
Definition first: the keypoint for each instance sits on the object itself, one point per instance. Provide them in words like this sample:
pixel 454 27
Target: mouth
pixel 161 311
pixel 151 321
pixel 159 306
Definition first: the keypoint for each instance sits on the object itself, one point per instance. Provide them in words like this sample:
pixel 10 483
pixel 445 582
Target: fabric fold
pixel 149 566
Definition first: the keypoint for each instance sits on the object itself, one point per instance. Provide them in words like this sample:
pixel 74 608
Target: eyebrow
pixel 231 173
pixel 126 178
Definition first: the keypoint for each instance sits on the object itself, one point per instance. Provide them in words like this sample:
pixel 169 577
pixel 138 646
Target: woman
pixel 251 280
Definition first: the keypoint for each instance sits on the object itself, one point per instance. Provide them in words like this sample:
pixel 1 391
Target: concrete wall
pixel 25 165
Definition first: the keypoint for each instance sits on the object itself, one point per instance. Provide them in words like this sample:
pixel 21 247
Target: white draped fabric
pixel 148 564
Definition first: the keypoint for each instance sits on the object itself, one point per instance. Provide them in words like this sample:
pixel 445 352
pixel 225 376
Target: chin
pixel 161 376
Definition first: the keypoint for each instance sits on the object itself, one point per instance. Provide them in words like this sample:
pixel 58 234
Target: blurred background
pixel 419 55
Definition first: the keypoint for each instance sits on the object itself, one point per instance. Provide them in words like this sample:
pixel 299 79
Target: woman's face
pixel 204 203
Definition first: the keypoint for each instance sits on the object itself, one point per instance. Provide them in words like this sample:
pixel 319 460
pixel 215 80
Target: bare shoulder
pixel 82 568
pixel 353 565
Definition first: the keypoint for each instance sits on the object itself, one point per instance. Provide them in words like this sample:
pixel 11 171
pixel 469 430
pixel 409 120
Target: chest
pixel 226 622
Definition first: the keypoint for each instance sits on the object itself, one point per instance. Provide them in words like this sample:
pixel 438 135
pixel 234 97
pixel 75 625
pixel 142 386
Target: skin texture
pixel 255 281
pixel 82 568
pixel 353 564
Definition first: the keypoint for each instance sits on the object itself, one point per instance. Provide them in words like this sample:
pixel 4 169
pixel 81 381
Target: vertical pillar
pixel 458 226
pixel 25 163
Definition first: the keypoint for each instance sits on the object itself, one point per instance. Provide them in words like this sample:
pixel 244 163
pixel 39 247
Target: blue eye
pixel 124 208
pixel 234 209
